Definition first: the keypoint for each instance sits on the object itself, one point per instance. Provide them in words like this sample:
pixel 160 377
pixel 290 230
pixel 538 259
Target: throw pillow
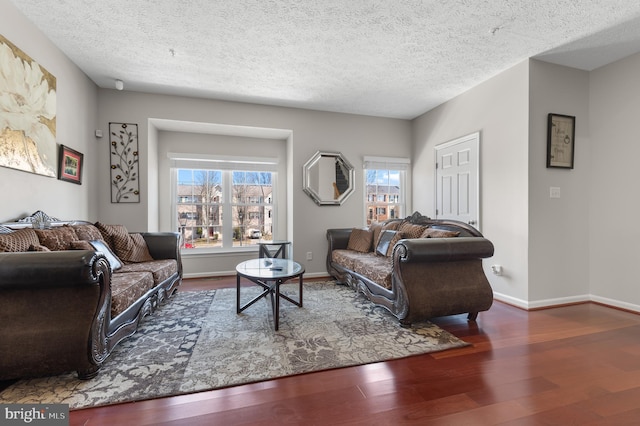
pixel 388 239
pixel 439 233
pixel 34 247
pixel 57 239
pixel 81 245
pixel 391 225
pixel 376 228
pixel 411 230
pixel 87 232
pixel 103 248
pixel 18 241
pixel 128 247
pixel 360 240
pixel 397 237
pixel 116 236
pixel 140 250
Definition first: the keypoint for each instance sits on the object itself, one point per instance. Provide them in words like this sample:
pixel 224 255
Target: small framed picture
pixel 561 141
pixel 70 165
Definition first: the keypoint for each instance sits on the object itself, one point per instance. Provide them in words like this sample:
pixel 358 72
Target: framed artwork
pixel 561 141
pixel 125 186
pixel 28 119
pixel 70 164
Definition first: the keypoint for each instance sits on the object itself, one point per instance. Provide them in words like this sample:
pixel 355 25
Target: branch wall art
pixel 125 185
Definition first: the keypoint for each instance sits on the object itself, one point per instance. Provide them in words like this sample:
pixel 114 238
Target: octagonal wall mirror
pixel 328 178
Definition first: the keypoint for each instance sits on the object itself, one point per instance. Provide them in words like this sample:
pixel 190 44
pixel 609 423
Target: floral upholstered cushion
pixel 376 268
pixel 360 240
pixel 18 241
pixel 161 269
pixel 127 288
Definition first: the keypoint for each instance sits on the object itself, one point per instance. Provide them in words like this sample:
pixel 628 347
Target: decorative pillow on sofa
pixel 102 247
pixel 140 252
pixel 438 233
pixel 81 245
pixel 391 225
pixel 411 230
pixel 360 240
pixel 57 238
pixel 376 228
pixel 128 247
pixel 34 247
pixel 388 239
pixel 18 241
pixel 87 232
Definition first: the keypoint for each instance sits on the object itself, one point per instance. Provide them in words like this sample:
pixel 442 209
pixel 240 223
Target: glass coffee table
pixel 269 273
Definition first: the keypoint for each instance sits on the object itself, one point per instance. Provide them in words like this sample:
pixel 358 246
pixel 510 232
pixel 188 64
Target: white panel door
pixel 458 180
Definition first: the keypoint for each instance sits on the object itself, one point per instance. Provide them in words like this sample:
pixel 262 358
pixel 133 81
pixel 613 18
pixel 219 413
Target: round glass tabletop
pixel 269 268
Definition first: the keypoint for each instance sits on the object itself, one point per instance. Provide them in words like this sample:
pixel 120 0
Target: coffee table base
pixel 272 288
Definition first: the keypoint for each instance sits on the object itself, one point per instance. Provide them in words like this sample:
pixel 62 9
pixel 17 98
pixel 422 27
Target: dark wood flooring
pixel 572 365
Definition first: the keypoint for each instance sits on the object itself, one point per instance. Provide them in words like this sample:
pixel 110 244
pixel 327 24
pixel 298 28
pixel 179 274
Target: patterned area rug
pixel 197 342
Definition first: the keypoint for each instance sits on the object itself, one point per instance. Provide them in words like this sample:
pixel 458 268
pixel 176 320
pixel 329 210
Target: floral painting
pixel 125 186
pixel 27 113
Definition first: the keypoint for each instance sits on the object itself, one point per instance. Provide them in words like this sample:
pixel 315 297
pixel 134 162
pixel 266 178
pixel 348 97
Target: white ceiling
pixel 391 58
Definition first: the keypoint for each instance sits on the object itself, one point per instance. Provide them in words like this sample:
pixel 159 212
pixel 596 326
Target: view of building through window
pixel 384 195
pixel 224 208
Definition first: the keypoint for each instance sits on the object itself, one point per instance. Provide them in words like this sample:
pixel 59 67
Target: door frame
pixel 474 138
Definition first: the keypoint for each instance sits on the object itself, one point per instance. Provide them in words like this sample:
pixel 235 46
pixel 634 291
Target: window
pixel 220 206
pixel 385 183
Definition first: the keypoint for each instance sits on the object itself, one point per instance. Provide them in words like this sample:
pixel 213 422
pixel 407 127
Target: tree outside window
pixel 203 206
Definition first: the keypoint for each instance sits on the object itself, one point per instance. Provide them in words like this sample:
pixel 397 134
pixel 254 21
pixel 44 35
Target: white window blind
pixel 205 162
pixel 386 163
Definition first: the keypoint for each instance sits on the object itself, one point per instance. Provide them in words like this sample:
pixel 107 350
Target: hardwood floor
pixel 577 364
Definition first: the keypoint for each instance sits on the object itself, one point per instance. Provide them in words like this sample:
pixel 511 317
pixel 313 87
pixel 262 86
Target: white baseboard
pixel 616 303
pixel 549 303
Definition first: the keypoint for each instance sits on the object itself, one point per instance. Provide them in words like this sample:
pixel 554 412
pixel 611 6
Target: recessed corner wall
pixel 615 199
pixel 558 227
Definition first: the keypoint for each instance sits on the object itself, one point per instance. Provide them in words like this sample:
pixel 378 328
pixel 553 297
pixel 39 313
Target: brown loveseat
pixel 417 268
pixel 71 293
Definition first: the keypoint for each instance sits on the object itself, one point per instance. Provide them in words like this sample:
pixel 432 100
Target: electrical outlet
pixel 309 255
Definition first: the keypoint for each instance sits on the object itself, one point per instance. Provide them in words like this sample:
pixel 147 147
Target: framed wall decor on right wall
pixel 561 141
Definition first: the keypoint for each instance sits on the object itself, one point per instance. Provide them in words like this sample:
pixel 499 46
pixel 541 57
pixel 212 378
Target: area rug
pixel 197 342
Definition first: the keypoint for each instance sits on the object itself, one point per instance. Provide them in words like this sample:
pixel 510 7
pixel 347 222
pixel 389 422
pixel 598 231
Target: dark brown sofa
pixel 66 309
pixel 428 268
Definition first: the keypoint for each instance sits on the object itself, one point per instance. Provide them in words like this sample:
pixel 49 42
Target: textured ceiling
pixel 375 57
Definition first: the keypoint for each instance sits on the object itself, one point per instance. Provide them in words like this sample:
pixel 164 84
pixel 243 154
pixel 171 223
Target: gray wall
pixel 614 98
pixel 558 227
pixel 23 193
pixel 498 108
pixel 309 131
